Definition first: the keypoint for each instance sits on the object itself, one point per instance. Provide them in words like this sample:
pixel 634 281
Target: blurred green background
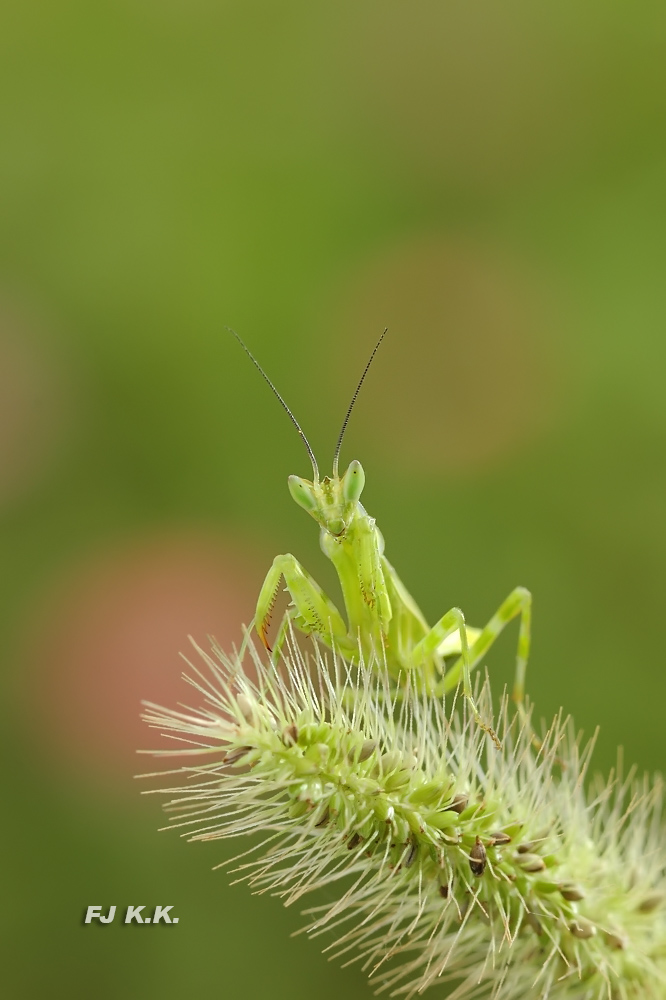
pixel 489 182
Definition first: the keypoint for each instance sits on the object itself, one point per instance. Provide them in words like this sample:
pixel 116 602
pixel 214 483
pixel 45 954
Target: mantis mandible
pixel 382 618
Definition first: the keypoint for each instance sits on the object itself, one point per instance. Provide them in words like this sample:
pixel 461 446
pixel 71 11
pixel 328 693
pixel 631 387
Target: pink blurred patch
pixel 110 636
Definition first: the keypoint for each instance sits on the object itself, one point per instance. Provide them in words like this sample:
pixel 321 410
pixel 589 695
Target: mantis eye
pixel 353 481
pixel 301 492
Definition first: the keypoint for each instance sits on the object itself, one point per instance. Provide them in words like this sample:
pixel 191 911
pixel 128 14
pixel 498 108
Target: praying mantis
pixel 382 618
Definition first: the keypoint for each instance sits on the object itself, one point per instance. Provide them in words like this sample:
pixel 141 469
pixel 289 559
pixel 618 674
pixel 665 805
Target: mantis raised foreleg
pixel 312 611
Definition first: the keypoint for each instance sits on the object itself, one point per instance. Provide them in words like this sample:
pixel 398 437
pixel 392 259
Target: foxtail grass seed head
pixel 502 873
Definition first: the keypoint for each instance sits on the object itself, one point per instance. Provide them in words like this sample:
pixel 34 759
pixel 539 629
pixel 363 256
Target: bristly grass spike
pixel 382 618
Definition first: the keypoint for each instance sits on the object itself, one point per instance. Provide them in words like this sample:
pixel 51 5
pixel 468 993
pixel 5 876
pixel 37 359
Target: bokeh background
pixel 488 180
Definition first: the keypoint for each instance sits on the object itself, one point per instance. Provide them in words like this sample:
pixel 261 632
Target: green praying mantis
pixel 382 618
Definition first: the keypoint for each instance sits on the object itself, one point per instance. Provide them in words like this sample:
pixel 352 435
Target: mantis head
pixel 333 502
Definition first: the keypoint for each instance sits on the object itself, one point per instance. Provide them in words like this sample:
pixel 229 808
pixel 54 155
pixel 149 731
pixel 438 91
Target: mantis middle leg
pixel 519 602
pixel 453 621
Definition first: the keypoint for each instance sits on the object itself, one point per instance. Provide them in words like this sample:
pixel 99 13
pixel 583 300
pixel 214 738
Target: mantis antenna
pixel 293 419
pixel 351 405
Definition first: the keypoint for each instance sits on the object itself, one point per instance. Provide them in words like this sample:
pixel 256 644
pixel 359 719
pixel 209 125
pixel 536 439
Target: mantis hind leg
pixel 426 649
pixel 519 602
pixel 311 611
